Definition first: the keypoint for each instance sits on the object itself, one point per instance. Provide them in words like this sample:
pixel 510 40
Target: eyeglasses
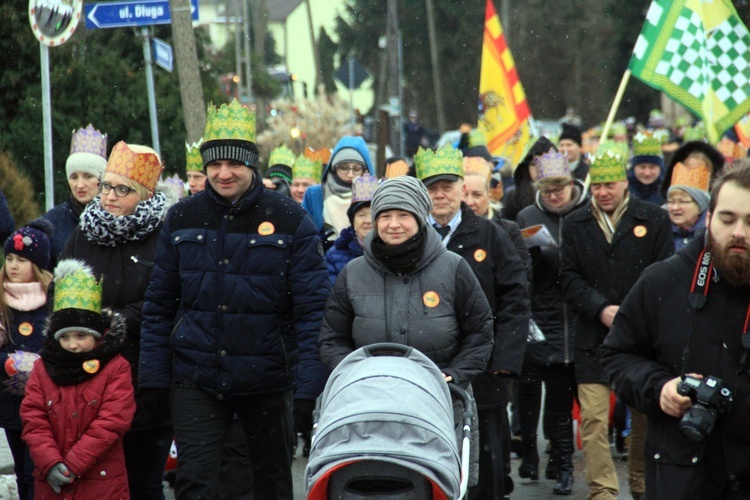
pixel 356 169
pixel 549 192
pixel 679 203
pixel 120 191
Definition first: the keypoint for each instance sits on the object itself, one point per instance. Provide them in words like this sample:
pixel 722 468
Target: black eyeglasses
pixel 120 191
pixel 357 169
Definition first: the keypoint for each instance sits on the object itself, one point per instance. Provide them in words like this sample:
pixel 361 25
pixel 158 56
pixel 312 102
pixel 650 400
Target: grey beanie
pixel 88 163
pixel 347 155
pixel 701 197
pixel 402 193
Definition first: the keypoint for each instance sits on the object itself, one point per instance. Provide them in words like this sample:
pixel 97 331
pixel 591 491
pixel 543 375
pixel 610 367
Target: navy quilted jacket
pixel 236 298
pixel 343 250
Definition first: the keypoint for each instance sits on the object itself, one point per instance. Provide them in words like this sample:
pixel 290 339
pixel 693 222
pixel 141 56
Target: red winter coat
pixel 81 426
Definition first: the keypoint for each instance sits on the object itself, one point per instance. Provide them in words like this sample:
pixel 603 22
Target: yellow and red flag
pixel 503 108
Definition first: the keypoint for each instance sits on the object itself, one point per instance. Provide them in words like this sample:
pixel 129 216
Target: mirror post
pixel 49 185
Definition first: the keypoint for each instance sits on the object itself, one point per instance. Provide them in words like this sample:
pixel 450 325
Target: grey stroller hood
pixel 387 408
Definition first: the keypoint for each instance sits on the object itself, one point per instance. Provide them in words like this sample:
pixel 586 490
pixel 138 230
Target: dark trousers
pixel 146 453
pixel 200 427
pixel 22 464
pixel 560 385
pixel 494 451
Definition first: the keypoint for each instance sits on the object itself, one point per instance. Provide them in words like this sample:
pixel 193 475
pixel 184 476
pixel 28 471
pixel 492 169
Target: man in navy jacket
pixel 232 315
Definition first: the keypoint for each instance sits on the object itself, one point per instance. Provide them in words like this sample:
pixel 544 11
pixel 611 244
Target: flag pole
pixel 615 105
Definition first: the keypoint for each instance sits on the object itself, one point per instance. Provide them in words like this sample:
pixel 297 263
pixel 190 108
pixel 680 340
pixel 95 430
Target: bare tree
pixel 186 56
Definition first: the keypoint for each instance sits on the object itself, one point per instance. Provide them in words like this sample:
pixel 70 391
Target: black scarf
pixel 76 206
pixel 403 257
pixel 67 368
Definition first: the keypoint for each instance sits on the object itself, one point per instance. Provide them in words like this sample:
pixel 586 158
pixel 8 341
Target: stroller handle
pixel 387 349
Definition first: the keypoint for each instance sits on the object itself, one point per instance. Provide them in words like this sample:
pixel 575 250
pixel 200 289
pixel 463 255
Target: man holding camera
pixel 687 317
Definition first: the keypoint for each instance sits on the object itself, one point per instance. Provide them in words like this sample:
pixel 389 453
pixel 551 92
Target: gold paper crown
pixel 193 154
pixel 76 287
pixel 281 156
pixel 477 138
pixel 698 177
pixel 646 144
pixel 322 155
pixel 476 165
pixel 552 164
pixel 233 121
pixel 138 163
pixel 306 168
pixel 445 160
pixel 608 167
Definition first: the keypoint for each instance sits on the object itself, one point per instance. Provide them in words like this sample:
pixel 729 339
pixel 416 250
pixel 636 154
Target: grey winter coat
pixel 438 308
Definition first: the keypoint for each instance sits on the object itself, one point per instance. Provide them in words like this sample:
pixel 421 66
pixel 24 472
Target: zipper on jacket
pixel 566 346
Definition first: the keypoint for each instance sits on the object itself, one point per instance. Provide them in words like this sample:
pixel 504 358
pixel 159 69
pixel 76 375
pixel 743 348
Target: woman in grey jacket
pixel 408 289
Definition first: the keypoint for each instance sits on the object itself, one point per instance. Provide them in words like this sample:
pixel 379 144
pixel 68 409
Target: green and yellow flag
pixel 698 53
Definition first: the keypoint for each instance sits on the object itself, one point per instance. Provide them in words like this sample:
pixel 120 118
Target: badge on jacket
pixel 266 229
pixel 640 231
pixel 480 255
pixel 431 299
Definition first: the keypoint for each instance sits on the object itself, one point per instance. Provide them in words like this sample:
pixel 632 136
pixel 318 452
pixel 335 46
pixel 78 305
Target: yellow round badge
pixel 640 231
pixel 91 366
pixel 25 329
pixel 480 255
pixel 431 299
pixel 266 228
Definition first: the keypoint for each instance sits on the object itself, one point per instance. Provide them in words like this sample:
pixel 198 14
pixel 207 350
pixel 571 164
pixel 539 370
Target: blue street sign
pixel 133 13
pixel 163 55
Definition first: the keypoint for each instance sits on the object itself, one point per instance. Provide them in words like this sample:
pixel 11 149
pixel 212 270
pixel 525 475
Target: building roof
pixel 279 10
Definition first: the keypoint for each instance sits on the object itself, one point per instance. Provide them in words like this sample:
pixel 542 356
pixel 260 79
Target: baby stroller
pixel 386 430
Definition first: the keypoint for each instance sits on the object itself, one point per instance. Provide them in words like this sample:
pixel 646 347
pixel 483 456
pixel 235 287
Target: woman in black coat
pixel 557 196
pixel 117 237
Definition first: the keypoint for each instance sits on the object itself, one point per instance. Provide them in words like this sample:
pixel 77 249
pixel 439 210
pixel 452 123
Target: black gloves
pixel 303 420
pixel 155 403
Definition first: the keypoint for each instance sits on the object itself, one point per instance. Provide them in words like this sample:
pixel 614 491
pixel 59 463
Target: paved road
pixel 525 489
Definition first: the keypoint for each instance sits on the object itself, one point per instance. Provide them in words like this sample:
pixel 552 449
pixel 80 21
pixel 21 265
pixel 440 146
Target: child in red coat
pixel 79 400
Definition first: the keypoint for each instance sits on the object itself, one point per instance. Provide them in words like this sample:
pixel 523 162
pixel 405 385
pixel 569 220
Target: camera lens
pixel 698 422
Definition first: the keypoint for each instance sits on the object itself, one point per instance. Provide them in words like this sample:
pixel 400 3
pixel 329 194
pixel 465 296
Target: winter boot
pixel 529 468
pixel 553 465
pixel 562 446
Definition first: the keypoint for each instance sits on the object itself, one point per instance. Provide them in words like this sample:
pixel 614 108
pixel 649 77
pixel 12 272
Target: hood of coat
pixel 433 247
pixel 713 154
pixel 356 143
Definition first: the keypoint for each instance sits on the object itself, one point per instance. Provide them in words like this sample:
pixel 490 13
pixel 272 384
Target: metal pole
pixel 150 86
pixel 49 191
pixel 393 78
pixel 351 88
pixel 248 54
pixel 238 53
pixel 505 21
pixel 401 142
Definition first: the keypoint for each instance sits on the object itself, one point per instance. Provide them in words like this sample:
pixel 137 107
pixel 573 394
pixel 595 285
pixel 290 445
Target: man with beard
pixel 688 316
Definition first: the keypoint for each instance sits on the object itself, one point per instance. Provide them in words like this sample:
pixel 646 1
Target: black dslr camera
pixel 710 398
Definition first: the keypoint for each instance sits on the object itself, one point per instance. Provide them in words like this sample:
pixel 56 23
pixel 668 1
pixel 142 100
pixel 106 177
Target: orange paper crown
pixel 696 177
pixel 475 165
pixel 138 163
pixel 322 155
pixel 397 168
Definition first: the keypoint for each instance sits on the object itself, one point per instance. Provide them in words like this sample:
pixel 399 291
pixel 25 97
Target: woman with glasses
pixel 117 238
pixel 83 168
pixel 687 201
pixel 558 195
pixel 328 202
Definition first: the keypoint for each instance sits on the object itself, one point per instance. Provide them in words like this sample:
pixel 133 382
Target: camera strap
pixel 702 276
